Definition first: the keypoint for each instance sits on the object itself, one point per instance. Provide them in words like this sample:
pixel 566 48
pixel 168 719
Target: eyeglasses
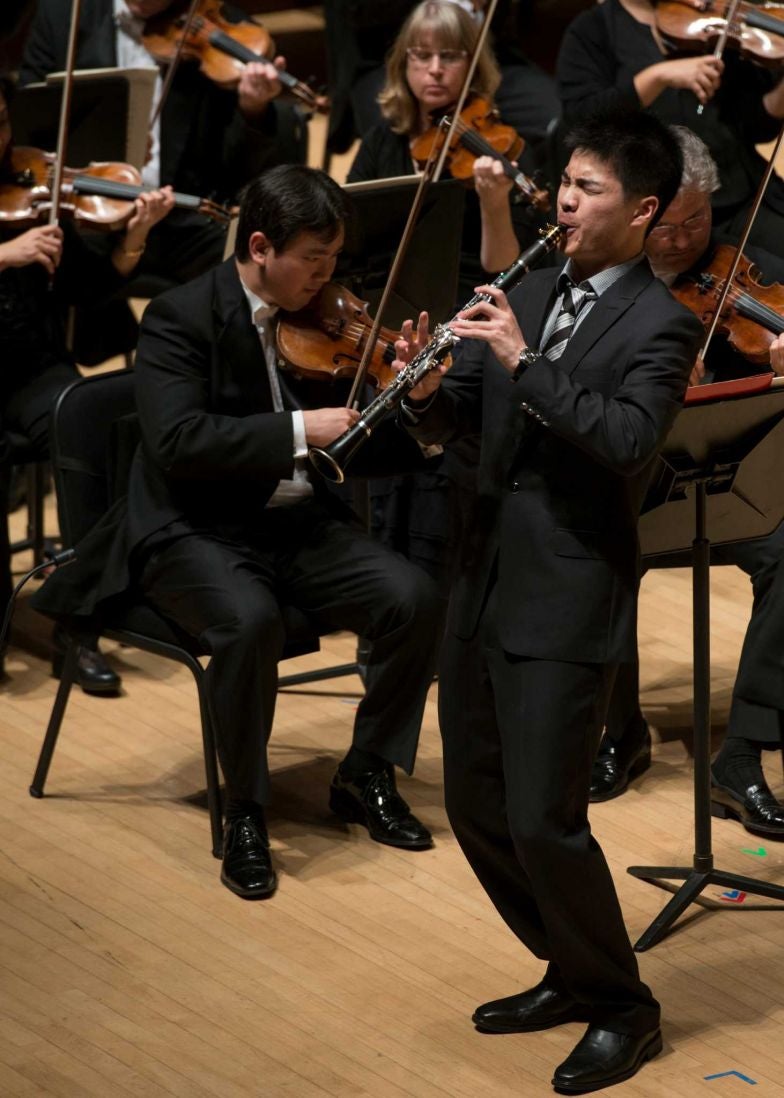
pixel 692 225
pixel 419 56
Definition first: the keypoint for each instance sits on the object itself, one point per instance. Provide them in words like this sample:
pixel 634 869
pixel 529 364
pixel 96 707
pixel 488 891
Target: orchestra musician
pixel 208 141
pixel 425 71
pixel 682 243
pixel 223 521
pixel 575 380
pixel 613 54
pixel 37 365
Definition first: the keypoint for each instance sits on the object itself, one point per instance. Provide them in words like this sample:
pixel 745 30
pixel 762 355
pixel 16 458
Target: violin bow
pixel 721 42
pixel 425 180
pixel 65 114
pixel 742 242
pixel 175 61
pixel 469 76
pixel 430 174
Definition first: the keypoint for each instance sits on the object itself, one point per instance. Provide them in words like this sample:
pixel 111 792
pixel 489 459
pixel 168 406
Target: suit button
pixel 514 486
pixel 524 406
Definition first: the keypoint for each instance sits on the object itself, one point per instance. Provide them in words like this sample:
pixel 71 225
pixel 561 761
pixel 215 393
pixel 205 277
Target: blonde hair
pixel 451 28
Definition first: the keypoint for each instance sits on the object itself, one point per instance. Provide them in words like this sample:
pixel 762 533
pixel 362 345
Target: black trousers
pixel 520 736
pixel 226 590
pixel 25 408
pixel 750 718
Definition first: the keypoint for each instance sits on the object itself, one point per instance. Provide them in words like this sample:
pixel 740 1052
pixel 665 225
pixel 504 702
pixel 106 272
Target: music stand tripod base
pixel 718 451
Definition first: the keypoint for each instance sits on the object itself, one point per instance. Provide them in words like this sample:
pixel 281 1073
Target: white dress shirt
pixel 299 487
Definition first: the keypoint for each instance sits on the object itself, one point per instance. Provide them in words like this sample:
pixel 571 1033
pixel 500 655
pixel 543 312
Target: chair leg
pixel 214 803
pixel 35 503
pixel 56 719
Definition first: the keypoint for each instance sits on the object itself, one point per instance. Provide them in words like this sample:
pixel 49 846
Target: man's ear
pixel 644 211
pixel 258 248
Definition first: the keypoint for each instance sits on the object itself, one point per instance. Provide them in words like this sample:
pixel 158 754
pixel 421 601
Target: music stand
pixel 727 455
pixel 428 276
pixel 110 110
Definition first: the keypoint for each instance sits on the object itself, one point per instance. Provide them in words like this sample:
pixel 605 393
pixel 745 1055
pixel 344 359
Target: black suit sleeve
pixel 622 431
pixel 181 434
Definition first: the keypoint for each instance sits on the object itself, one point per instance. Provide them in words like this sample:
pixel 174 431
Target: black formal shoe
pixel 247 865
pixel 539 1008
pixel 374 801
pixel 617 763
pixel 93 673
pixel 755 807
pixel 603 1058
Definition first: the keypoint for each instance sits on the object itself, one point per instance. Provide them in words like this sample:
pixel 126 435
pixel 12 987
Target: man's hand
pixel 697 372
pixel 149 208
pixel 495 323
pixel 258 85
pixel 777 355
pixel 408 346
pixel 324 425
pixel 42 245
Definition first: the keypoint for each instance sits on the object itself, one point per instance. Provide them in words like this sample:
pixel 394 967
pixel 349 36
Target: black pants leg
pixel 228 595
pixel 519 739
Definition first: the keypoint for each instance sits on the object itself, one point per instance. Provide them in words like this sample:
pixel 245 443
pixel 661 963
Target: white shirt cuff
pixel 300 442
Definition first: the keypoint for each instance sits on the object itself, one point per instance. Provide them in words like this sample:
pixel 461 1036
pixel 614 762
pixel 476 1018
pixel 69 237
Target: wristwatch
pixel 527 357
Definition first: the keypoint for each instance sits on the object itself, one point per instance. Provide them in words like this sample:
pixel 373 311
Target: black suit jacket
pixel 207 147
pixel 566 454
pixel 213 449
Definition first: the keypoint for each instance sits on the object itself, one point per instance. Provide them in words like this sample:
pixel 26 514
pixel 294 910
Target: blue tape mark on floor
pixel 734 897
pixel 724 1074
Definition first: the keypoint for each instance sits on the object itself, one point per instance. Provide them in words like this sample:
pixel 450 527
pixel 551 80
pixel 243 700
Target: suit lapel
pixel 239 349
pixel 608 309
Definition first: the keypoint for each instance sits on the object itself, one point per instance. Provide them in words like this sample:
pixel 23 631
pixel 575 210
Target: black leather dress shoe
pixel 617 763
pixel 755 807
pixel 247 865
pixel 539 1008
pixel 603 1058
pixel 375 802
pixel 93 673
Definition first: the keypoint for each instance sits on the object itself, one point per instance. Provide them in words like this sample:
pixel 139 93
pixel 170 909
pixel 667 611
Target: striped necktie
pixel 573 300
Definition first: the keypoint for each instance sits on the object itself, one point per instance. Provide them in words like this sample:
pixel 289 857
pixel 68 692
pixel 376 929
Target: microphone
pixel 65 556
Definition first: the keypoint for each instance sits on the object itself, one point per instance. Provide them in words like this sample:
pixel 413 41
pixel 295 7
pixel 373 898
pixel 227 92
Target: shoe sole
pixel 484 1027
pixel 653 1048
pixel 724 812
pixel 346 810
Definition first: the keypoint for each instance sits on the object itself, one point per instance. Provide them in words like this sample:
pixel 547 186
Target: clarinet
pixel 331 461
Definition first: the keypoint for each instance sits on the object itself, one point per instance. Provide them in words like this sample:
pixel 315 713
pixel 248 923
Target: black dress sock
pixel 738 764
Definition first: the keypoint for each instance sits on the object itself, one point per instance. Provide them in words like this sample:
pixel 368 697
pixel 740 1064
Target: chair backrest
pixel 84 434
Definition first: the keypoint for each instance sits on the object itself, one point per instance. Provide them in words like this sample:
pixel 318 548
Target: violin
pixel 100 196
pixel 753 314
pixel 222 48
pixel 325 341
pixel 757 30
pixel 480 133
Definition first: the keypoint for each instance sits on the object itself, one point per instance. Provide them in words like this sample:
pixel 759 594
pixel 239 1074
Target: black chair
pixel 89 463
pixel 21 452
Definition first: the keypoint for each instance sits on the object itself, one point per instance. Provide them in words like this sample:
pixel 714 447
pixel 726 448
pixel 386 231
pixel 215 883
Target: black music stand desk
pixel 726 457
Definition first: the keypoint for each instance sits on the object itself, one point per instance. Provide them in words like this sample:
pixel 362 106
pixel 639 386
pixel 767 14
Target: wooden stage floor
pixel 128 970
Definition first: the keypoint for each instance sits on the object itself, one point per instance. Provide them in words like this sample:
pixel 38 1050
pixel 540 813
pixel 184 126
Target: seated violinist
pixel 425 71
pixel 224 521
pixel 37 365
pixel 208 141
pixel 681 245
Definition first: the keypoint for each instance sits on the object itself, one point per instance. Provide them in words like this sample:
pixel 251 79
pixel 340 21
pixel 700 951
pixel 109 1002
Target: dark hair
pixel 286 201
pixel 642 151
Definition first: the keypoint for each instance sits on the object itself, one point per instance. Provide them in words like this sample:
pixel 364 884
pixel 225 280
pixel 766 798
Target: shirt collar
pixel 128 23
pixel 259 309
pixel 599 282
